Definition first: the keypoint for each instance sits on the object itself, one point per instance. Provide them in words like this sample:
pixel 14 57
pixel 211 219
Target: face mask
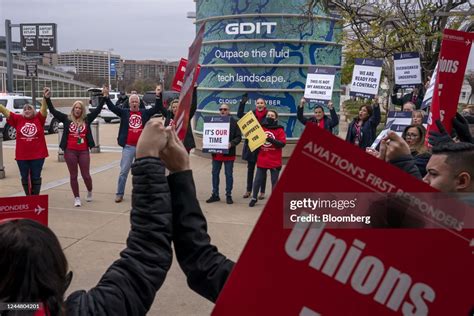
pixel 271 121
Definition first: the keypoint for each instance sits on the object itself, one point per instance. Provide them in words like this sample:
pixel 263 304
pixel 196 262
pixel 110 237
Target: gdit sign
pixel 250 28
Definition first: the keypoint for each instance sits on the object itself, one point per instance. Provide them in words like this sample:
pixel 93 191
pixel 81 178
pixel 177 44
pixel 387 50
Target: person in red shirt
pixel 76 141
pixel 235 137
pixel 132 122
pixel 270 154
pixel 319 118
pixel 30 150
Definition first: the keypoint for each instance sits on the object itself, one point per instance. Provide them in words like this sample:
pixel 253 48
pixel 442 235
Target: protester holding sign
pixel 319 118
pixel 31 149
pixel 235 137
pixel 415 97
pixel 270 155
pixel 414 135
pixel 260 113
pixel 362 131
pixel 35 269
pixel 132 122
pixel 76 140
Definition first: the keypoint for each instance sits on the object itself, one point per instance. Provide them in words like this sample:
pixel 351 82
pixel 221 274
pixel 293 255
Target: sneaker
pixel 118 198
pixel 261 196
pixel 213 198
pixel 89 196
pixel 77 201
pixel 253 202
pixel 246 195
pixel 229 200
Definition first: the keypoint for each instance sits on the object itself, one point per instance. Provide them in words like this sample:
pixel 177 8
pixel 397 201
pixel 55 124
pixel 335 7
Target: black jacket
pixel 129 285
pixel 407 164
pixel 63 118
pixel 329 123
pixel 206 269
pixel 246 153
pixel 235 137
pixel 188 141
pixel 124 115
pixel 368 129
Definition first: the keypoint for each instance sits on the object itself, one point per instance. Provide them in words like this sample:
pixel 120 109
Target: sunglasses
pixel 223 109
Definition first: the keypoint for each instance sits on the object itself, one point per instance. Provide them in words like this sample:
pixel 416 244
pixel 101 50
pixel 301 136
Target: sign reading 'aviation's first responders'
pixel 33 207
pixel 366 77
pixel 322 267
pixel 407 69
pixel 319 84
pixel 38 38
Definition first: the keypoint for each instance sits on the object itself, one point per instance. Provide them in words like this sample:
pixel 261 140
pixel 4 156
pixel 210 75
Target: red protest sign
pixel 313 270
pixel 33 207
pixel 179 76
pixel 185 97
pixel 452 62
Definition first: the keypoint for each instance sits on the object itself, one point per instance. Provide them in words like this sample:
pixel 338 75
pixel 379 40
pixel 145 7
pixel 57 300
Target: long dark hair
pixel 369 108
pixel 33 265
pixel 419 147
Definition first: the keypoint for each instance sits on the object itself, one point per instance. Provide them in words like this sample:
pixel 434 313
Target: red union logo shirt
pixel 135 128
pixel 29 130
pixel 30 141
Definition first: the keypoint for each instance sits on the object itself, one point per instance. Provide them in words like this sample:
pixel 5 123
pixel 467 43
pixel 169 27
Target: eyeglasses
pixel 411 135
pixel 223 109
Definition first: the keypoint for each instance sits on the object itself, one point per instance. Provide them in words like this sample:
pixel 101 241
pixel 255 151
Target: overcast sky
pixel 138 29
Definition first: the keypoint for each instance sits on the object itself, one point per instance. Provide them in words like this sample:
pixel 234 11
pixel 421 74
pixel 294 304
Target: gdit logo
pixel 250 28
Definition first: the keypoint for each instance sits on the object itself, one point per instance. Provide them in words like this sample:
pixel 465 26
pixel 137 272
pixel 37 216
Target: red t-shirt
pixel 135 128
pixel 76 140
pixel 30 141
pixel 270 156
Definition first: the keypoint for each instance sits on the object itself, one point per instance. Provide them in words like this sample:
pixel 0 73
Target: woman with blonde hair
pixel 30 150
pixel 417 117
pixel 76 141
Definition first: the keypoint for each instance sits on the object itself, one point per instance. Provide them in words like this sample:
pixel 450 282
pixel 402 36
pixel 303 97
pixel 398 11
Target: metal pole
pixel 2 167
pixel 8 37
pixel 60 135
pixel 108 75
pixel 33 91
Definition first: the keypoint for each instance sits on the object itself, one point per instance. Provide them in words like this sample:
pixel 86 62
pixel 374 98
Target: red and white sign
pixel 179 76
pixel 33 207
pixel 315 269
pixel 453 57
pixel 185 97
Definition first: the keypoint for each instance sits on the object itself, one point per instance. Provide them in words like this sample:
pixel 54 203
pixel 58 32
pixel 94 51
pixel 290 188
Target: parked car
pixel 168 96
pixel 15 104
pixel 105 114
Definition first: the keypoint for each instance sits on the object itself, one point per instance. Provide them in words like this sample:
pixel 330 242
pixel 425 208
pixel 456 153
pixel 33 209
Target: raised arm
pixel 95 112
pixel 334 117
pixel 44 107
pixel 206 269
pixel 193 108
pixel 158 108
pixel 299 112
pixel 60 116
pixel 4 111
pixel 241 109
pixel 112 107
pixel 374 120
pixel 129 285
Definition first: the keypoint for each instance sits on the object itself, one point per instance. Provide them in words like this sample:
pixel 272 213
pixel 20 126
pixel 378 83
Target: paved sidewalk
pixel 94 234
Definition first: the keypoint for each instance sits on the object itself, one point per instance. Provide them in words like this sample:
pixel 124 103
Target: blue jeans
pixel 128 155
pixel 229 179
pixel 33 167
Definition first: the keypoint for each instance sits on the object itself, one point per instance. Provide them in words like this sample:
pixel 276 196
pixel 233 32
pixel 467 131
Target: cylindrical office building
pixel 263 48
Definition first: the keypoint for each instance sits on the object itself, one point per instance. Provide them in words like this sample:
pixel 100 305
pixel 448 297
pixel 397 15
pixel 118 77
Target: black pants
pixel 261 176
pixel 250 171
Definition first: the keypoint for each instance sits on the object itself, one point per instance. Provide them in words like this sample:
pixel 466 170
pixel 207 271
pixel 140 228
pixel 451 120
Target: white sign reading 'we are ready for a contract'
pixel 366 77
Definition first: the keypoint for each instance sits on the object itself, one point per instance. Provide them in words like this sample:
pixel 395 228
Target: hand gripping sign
pixel 33 207
pixel 330 267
